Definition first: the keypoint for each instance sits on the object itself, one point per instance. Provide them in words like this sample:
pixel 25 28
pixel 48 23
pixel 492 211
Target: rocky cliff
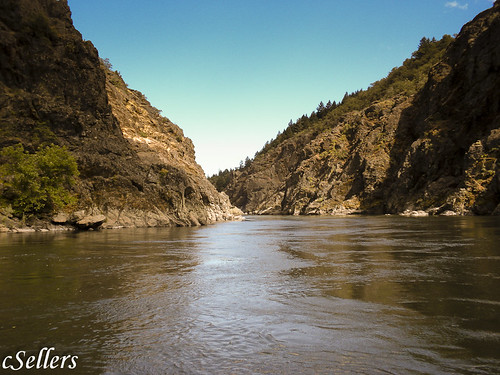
pixel 135 166
pixel 435 150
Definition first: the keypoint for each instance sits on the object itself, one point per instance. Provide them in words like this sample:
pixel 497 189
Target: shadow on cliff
pixel 446 146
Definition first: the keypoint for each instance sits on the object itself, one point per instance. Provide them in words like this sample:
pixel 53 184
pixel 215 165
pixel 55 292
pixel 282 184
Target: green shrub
pixel 36 183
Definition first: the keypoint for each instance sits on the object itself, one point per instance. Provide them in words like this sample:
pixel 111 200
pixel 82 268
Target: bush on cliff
pixel 36 183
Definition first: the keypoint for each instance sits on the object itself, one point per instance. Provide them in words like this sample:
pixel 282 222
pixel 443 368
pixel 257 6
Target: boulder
pixel 417 213
pixel 60 219
pixel 90 222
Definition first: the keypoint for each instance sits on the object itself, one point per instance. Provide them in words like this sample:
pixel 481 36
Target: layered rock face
pixel 136 167
pixel 436 151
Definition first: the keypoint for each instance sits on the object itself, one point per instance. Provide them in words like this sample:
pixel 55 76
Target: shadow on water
pixel 446 270
pixel 272 295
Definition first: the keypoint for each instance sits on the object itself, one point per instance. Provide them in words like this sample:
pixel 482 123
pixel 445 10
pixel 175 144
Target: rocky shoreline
pixel 84 220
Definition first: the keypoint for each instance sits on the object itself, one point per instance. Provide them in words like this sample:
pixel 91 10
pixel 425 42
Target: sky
pixel 232 73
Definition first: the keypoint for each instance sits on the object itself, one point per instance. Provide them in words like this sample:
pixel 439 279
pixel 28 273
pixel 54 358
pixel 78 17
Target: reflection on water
pixel 271 295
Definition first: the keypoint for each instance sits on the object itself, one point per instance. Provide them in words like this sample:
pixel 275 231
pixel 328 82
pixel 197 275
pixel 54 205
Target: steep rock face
pixel 447 144
pixel 136 167
pixel 335 172
pixel 435 151
pixel 260 188
pixel 177 183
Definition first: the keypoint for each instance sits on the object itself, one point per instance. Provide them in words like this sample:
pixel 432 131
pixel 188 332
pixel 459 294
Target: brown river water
pixel 269 295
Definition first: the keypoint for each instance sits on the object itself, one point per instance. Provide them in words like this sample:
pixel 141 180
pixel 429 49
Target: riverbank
pixel 94 219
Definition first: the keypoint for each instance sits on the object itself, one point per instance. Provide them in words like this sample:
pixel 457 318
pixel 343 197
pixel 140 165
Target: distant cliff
pixel 135 167
pixel 425 138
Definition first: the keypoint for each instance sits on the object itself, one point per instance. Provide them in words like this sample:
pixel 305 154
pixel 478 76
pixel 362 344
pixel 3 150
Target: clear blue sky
pixel 232 73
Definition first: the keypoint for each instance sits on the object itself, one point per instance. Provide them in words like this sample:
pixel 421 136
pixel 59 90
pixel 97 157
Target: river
pixel 269 295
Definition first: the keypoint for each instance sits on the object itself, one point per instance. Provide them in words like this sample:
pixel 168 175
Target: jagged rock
pixel 77 216
pixel 60 219
pixel 418 213
pixel 90 222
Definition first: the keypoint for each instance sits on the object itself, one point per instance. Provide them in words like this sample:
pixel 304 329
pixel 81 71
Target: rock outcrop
pixel 136 167
pixel 434 152
pixel 447 145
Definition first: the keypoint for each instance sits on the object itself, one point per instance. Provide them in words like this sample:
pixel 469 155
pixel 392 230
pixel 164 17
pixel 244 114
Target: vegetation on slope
pixel 36 183
pixel 404 80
